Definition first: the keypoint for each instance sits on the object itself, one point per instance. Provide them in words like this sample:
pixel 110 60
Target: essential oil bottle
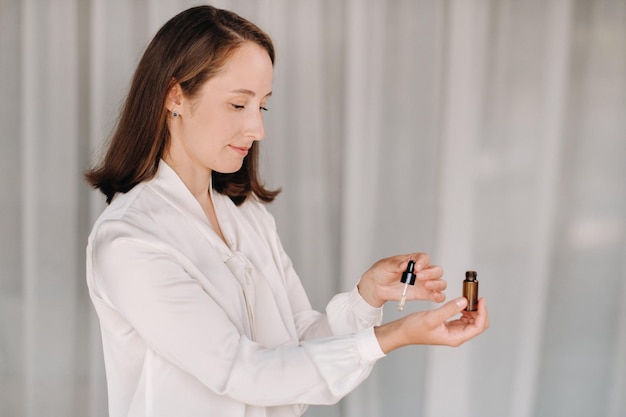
pixel 470 290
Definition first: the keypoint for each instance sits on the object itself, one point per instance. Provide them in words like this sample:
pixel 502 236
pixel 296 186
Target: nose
pixel 255 128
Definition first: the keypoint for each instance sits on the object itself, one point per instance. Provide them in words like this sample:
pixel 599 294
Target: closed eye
pixel 240 107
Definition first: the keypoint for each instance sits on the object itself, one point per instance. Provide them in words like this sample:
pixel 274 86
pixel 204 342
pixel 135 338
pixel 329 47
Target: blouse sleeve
pixel 182 323
pixel 346 313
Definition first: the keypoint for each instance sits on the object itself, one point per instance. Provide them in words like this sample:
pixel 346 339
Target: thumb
pixel 449 309
pixel 396 263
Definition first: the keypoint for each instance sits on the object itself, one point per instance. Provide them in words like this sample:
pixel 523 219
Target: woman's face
pixel 215 130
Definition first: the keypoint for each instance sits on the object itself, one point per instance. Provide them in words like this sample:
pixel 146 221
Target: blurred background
pixel 489 133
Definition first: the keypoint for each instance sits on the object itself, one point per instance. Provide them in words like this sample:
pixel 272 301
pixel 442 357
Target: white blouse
pixel 192 326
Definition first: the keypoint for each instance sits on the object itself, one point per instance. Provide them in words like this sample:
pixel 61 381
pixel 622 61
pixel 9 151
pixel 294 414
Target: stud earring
pixel 175 114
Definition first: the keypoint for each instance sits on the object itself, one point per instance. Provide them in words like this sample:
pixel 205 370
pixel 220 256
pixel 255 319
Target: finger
pixel 436 285
pixel 438 297
pixel 448 310
pixel 479 317
pixel 432 272
pixel 422 260
pixel 398 263
pixel 481 320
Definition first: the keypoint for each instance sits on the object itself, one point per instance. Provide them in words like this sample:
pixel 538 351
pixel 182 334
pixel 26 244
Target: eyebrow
pixel 248 92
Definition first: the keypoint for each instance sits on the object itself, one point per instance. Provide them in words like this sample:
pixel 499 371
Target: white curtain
pixel 490 134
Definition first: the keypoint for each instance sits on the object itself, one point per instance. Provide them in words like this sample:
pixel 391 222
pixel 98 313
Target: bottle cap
pixel 408 277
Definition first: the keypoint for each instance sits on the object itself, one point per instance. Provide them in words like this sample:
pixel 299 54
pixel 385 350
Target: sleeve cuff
pixel 363 310
pixel 368 345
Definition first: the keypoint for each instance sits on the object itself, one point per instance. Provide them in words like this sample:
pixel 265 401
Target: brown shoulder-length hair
pixel 189 49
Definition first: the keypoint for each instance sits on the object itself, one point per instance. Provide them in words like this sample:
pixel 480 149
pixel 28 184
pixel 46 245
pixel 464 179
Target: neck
pixel 198 181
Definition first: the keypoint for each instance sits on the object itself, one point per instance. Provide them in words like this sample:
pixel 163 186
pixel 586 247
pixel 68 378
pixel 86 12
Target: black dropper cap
pixel 408 277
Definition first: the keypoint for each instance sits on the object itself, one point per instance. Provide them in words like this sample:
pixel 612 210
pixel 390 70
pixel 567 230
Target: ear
pixel 174 96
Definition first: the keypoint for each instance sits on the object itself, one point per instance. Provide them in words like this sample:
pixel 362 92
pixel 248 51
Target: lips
pixel 241 150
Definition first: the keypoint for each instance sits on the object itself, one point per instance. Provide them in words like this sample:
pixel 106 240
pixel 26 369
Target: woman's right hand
pixel 435 327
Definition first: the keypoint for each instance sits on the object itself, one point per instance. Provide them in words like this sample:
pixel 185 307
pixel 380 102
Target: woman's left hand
pixel 381 283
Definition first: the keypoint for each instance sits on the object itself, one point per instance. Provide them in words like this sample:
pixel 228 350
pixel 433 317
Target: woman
pixel 200 309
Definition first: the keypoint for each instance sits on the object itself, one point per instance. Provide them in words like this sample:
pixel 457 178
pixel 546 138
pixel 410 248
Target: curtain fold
pixel 488 133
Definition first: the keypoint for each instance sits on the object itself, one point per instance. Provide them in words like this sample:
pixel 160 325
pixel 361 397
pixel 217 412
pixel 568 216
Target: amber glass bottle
pixel 470 290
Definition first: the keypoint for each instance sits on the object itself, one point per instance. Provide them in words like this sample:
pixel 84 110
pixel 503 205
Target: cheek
pixel 217 125
pixel 213 126
pixel 224 130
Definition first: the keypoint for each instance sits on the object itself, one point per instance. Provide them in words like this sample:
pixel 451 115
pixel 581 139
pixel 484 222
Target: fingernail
pixel 461 302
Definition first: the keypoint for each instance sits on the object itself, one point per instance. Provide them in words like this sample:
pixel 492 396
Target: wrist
pixel 367 290
pixel 390 335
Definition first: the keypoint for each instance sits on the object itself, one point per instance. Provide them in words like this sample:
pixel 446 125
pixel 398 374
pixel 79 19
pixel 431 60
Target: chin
pixel 228 169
